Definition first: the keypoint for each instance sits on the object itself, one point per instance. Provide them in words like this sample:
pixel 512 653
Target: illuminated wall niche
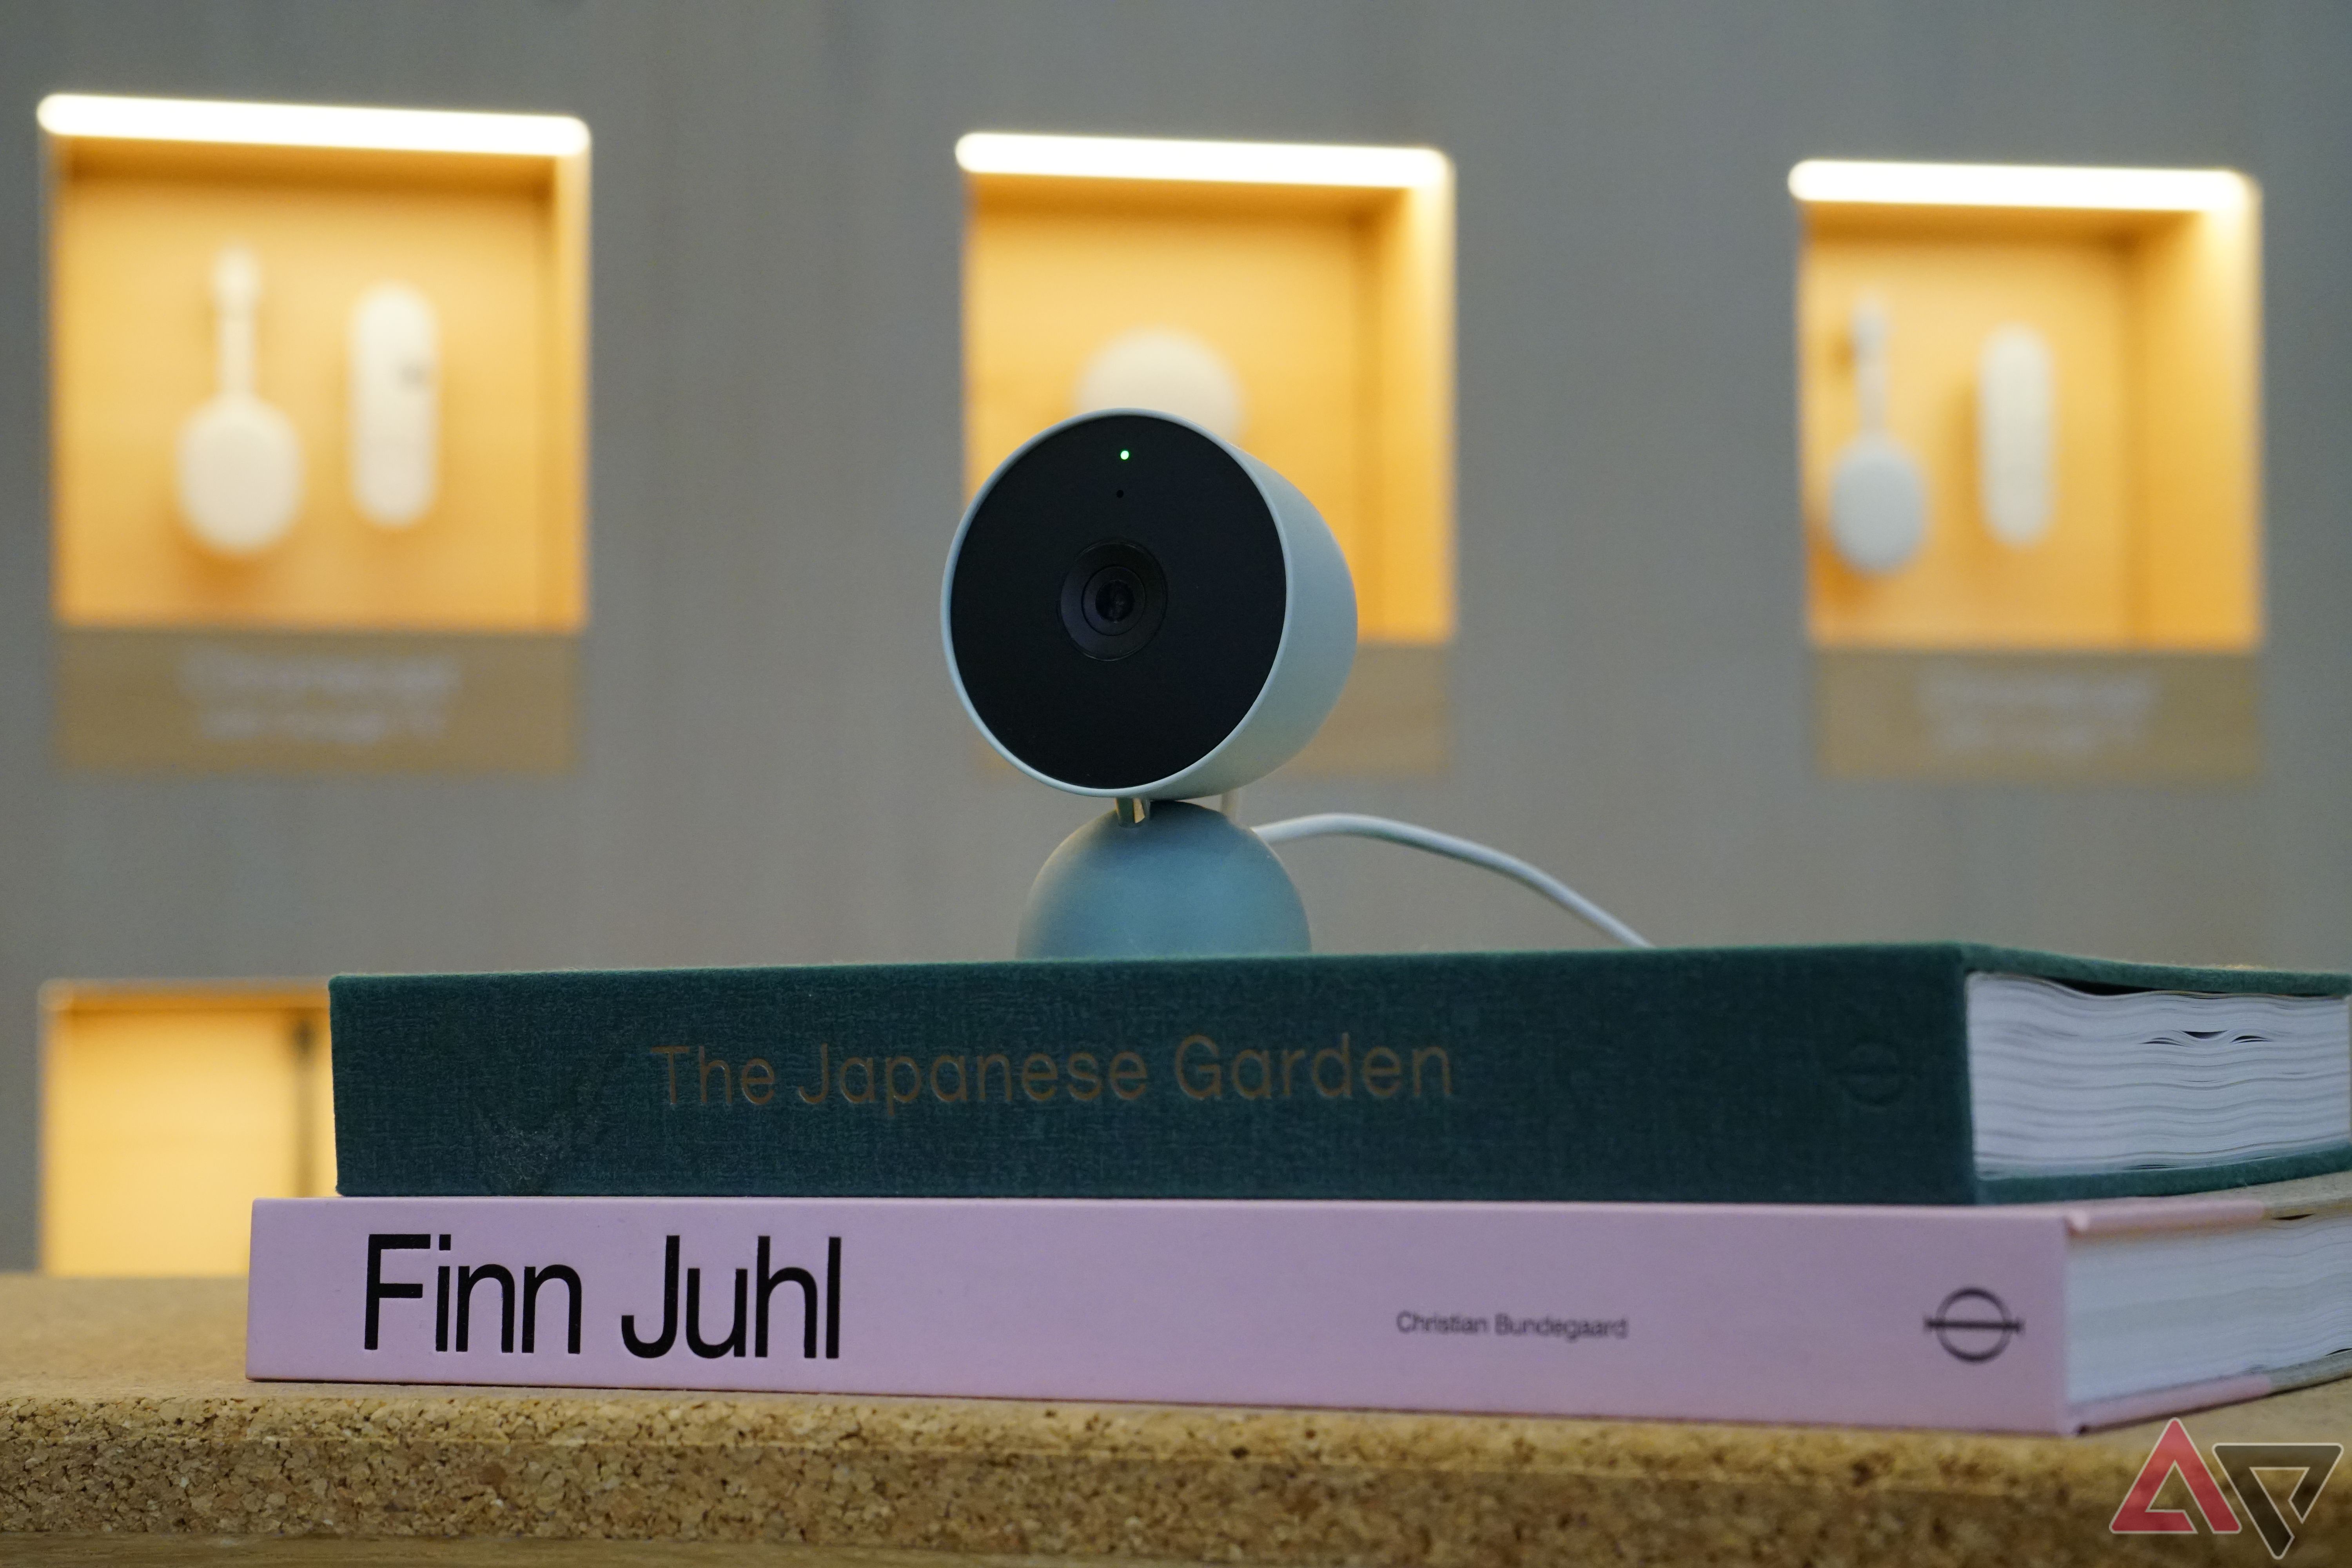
pixel 1313 282
pixel 2120 642
pixel 165 1110
pixel 434 631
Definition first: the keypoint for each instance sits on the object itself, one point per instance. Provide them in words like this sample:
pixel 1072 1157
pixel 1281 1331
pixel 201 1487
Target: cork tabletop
pixel 123 1409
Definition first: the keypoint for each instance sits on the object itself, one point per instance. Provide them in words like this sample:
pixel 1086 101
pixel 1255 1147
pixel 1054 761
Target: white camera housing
pixel 1135 608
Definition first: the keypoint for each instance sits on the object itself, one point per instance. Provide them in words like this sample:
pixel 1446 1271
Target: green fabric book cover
pixel 1822 1075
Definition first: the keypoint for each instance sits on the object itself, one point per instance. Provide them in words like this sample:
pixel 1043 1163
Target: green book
pixel 1901 1074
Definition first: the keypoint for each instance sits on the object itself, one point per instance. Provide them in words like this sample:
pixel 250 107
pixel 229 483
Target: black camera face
pixel 1117 603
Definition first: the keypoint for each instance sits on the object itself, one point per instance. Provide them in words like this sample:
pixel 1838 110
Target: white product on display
pixel 1167 371
pixel 2017 415
pixel 1878 500
pixel 396 405
pixel 240 463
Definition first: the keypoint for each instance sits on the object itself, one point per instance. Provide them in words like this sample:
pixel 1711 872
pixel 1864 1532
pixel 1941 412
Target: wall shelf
pixel 1323 276
pixel 483 215
pixel 167 1109
pixel 2122 642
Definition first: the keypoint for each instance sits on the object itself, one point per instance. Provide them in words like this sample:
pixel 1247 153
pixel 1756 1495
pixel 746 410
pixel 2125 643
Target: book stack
pixel 1922 1185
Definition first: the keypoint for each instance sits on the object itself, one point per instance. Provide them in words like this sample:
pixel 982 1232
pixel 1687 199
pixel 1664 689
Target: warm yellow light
pixel 2017 185
pixel 1231 162
pixel 310 125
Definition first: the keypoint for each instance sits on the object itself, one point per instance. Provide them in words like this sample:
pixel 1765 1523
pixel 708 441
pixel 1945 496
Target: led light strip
pixel 2017 185
pixel 1228 162
pixel 310 125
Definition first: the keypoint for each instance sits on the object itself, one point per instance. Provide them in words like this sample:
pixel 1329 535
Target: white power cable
pixel 1349 823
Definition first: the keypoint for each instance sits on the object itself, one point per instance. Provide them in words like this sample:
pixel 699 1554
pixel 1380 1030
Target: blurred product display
pixel 383 566
pixel 2017 411
pixel 2029 407
pixel 240 463
pixel 2041 560
pixel 1878 503
pixel 396 405
pixel 1166 370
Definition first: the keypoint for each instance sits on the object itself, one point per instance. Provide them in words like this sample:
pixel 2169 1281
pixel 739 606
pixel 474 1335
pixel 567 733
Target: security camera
pixel 1136 609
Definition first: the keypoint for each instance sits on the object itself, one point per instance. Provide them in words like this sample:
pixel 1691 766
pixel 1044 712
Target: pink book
pixel 2044 1317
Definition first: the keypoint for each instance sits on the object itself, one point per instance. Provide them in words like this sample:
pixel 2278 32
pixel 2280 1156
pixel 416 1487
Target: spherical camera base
pixel 1183 882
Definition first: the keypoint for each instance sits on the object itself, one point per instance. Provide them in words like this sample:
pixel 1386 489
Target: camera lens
pixel 1113 598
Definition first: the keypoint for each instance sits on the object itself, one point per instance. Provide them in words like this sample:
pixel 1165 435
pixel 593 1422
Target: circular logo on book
pixel 1974 1324
pixel 1871 1072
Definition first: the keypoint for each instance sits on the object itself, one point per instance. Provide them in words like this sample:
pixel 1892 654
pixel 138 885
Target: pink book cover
pixel 1892 1316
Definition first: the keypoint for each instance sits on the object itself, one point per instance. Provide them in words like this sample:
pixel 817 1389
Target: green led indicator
pixel 1122 454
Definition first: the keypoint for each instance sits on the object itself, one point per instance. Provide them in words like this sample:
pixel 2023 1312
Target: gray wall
pixel 773 768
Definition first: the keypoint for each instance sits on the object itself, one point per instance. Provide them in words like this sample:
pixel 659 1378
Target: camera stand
pixel 1162 880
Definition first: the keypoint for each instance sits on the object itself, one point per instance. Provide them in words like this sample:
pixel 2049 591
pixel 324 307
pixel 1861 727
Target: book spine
pixel 1732 1077
pixel 1700 1312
